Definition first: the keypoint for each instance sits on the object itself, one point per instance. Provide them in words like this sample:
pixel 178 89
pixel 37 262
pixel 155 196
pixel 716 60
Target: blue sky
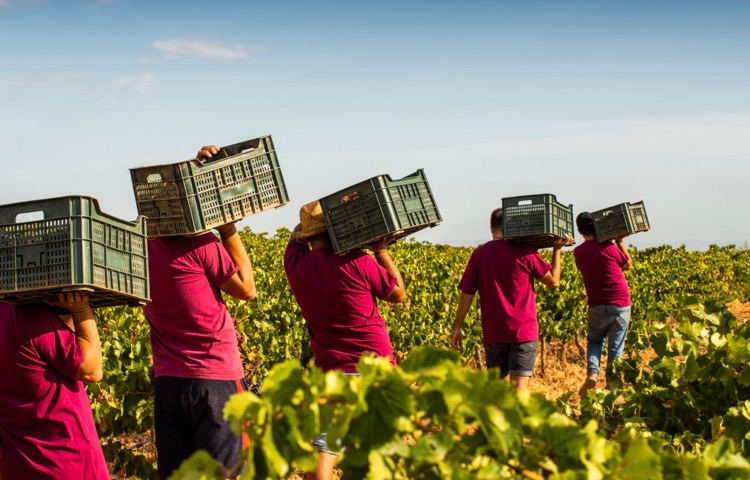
pixel 597 102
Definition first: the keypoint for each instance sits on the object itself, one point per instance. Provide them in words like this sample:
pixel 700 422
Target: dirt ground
pixel 562 369
pixel 740 310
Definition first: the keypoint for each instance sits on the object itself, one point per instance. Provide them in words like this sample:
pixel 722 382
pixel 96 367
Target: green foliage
pixel 431 418
pixel 123 401
pixel 200 466
pixel 694 393
pixel 271 332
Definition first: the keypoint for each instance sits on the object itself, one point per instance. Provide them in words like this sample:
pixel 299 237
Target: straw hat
pixel 311 218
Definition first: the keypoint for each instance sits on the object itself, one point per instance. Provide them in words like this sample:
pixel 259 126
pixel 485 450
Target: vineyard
pixel 683 410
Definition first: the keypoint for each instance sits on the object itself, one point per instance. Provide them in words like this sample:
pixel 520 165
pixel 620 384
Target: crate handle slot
pixel 350 197
pixel 231 150
pixel 525 202
pixel 34 216
pixel 154 178
pixel 31 254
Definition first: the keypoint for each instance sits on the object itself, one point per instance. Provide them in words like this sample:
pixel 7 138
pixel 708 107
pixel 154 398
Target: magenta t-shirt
pixel 337 297
pixel 192 333
pixel 601 265
pixel 503 273
pixel 46 425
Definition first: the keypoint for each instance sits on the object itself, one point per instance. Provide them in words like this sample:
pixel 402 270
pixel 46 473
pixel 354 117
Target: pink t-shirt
pixel 46 425
pixel 503 273
pixel 337 297
pixel 192 333
pixel 601 265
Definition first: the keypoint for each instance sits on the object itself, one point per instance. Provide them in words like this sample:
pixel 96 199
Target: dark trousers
pixel 189 416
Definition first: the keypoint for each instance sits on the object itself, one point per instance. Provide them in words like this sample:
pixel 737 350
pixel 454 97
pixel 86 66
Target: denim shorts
pixel 517 359
pixel 321 444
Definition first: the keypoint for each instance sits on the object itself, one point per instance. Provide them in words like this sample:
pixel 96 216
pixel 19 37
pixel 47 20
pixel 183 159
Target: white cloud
pixel 141 85
pixel 50 80
pixel 203 48
pixel 78 80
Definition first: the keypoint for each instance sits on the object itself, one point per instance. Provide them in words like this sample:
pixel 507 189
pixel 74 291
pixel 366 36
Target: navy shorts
pixel 188 416
pixel 516 359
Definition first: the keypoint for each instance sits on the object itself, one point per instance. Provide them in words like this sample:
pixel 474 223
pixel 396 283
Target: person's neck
pixel 320 243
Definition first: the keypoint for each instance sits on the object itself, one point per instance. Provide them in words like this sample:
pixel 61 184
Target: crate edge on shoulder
pixel 79 248
pixel 194 196
pixel 537 223
pixel 619 219
pixel 378 207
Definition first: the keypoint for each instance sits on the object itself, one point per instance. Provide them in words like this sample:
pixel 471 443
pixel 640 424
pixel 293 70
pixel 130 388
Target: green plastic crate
pixel 536 220
pixel 194 196
pixel 70 245
pixel 379 207
pixel 618 220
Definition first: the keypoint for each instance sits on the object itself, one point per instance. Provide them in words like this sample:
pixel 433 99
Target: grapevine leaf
pixel 199 466
pixel 641 461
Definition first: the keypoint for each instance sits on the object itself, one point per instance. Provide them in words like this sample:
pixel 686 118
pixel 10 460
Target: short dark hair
pixel 585 223
pixel 496 219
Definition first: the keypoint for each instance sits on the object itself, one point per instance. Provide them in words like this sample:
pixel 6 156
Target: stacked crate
pixel 72 247
pixel 619 220
pixel 379 207
pixel 194 196
pixel 536 220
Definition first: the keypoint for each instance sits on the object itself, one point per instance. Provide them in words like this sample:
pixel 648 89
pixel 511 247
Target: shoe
pixel 588 384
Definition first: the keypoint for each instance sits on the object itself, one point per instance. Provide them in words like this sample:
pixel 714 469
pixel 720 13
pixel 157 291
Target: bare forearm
pixel 87 337
pixel 556 265
pixel 398 293
pixel 621 245
pixel 552 278
pixel 464 304
pixel 232 242
pixel 384 260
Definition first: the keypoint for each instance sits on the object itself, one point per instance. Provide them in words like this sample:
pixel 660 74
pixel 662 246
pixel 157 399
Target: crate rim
pixel 415 173
pixel 193 158
pixel 554 198
pixel 531 195
pixel 95 201
pixel 617 205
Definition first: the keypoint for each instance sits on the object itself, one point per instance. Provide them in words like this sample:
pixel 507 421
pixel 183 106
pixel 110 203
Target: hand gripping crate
pixel 618 220
pixel 74 247
pixel 536 220
pixel 194 196
pixel 379 207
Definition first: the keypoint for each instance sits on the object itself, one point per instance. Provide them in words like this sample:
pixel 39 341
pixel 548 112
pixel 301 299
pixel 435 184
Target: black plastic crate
pixel 194 196
pixel 67 244
pixel 379 207
pixel 622 219
pixel 536 220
